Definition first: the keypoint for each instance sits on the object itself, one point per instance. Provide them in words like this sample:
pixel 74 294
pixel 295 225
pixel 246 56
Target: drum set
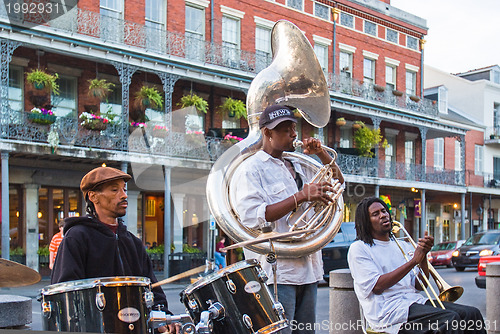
pixel 233 300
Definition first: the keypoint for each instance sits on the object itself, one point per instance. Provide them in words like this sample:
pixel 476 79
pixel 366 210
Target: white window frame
pixel 328 11
pixel 57 99
pixel 368 70
pixel 390 76
pixel 386 35
pixel 458 156
pixel 365 29
pixel 439 153
pixel 20 81
pixel 301 4
pixel 411 82
pixel 161 21
pixel 478 159
pixel 345 15
pixel 321 45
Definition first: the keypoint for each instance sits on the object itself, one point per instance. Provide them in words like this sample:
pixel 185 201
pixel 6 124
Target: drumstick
pixel 179 276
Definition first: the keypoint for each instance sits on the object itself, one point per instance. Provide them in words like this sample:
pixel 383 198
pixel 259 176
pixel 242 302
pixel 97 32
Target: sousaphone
pixel 294 78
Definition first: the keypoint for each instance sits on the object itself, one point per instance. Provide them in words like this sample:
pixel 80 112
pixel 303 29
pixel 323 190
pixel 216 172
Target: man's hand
pixel 315 192
pixel 171 328
pixel 312 146
pixel 423 247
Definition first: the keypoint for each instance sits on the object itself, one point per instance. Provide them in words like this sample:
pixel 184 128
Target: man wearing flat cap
pixel 270 187
pixel 98 244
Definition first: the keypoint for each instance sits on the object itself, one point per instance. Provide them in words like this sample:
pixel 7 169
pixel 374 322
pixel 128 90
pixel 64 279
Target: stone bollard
pixel 492 300
pixel 344 305
pixel 15 311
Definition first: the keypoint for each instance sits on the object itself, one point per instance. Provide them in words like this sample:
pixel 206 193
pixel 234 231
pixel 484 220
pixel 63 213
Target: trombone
pixel 447 293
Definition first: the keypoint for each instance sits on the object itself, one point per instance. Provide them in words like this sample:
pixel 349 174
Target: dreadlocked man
pixel 386 285
pixel 98 244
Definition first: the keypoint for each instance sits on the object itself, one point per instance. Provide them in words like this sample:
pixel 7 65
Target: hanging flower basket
pixel 136 125
pixel 160 131
pixel 358 125
pixel 340 122
pixel 93 122
pixel 414 98
pixel 378 88
pixel 41 116
pixel 397 92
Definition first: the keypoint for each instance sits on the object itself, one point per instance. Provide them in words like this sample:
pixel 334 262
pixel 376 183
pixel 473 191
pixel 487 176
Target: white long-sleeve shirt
pixel 262 180
pixel 389 310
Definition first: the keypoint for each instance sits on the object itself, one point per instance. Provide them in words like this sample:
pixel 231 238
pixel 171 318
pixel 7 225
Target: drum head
pixel 93 282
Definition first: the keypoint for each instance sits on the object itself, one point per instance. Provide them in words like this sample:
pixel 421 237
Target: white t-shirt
pixel 388 310
pixel 262 180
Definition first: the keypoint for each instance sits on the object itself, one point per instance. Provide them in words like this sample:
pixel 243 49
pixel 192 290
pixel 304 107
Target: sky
pixel 463 35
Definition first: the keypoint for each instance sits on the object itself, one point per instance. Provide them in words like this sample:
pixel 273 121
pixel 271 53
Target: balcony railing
pixel 17 126
pixel 122 32
pixel 372 167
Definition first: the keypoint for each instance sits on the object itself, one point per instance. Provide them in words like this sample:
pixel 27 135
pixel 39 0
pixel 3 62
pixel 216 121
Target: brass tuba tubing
pixel 447 293
pixel 298 143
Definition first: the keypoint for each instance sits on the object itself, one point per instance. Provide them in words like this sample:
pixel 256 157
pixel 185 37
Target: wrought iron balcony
pixel 71 134
pixel 194 48
pixel 372 167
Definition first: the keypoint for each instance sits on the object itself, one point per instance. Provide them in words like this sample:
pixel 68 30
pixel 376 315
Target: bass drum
pixel 101 305
pixel 248 305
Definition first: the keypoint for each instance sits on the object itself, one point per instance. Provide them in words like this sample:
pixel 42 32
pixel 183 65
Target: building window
pixel 370 28
pixel 155 23
pixel 111 24
pixel 113 104
pixel 439 153
pixel 496 77
pixel 369 70
pixel 345 137
pixel 458 156
pixel 391 35
pixel 409 152
pixel 496 118
pixel 390 157
pixel 345 64
pixel 321 52
pixel 296 4
pixel 347 20
pixel 496 168
pixel 478 160
pixel 262 47
pixel 321 11
pixel 390 77
pixel 231 40
pixel 65 103
pixel 16 85
pixel 195 33
pixel 411 83
pixel 412 42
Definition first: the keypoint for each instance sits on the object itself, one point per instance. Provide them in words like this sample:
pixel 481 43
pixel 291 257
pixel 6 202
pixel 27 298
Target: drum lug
pixel 47 309
pixel 231 286
pixel 247 321
pixel 149 299
pixel 193 305
pixel 262 274
pixel 278 308
pixel 100 301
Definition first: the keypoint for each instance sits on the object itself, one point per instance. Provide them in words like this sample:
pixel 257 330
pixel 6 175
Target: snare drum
pixel 99 305
pixel 248 305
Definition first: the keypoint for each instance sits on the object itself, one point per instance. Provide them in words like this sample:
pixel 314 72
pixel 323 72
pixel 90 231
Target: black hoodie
pixel 90 249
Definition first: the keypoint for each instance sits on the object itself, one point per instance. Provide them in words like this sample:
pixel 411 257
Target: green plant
pixel 44 251
pixel 194 100
pixel 235 108
pixel 366 139
pixel 100 88
pixel 17 251
pixel 190 249
pixel 149 97
pixel 42 80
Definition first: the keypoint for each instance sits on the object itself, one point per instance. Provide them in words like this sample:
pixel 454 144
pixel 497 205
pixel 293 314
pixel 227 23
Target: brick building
pixel 371 53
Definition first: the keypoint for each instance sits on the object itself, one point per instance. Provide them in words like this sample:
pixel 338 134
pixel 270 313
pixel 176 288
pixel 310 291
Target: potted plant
pixel 41 80
pixel 136 125
pixel 100 88
pixel 149 97
pixel 340 121
pixel 195 138
pixel 367 139
pixel 159 131
pixel 396 92
pixel 358 125
pixel 41 116
pixel 378 88
pixel 414 98
pixel 93 122
pixel 234 108
pixel 194 100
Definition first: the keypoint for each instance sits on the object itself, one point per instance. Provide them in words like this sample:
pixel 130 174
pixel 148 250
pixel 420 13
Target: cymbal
pixel 14 274
pixel 266 237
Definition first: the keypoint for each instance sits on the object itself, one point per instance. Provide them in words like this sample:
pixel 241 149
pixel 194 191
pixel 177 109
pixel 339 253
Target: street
pixel 472 295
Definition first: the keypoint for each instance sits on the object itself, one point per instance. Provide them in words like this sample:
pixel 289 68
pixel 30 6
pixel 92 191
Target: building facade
pixel 371 53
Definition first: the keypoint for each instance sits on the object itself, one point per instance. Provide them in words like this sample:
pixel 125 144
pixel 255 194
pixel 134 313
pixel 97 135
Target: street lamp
pixel 335 16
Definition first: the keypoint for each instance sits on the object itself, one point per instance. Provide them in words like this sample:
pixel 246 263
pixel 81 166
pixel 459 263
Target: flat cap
pixel 100 175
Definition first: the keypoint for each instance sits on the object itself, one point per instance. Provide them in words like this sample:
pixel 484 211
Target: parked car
pixel 480 244
pixel 481 269
pixel 440 254
pixel 335 253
